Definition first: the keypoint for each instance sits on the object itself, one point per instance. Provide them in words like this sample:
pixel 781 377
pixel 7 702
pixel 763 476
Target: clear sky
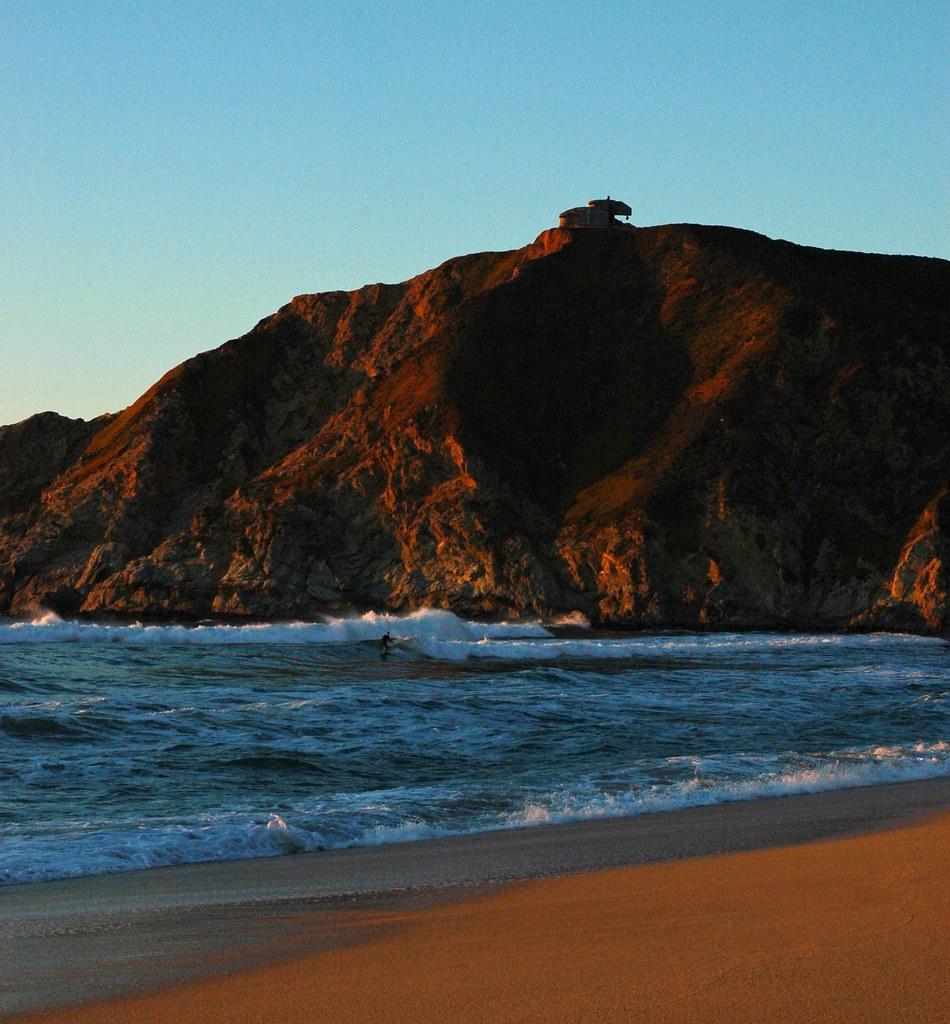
pixel 172 172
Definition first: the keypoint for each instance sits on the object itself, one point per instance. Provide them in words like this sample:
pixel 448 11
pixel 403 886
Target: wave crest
pixel 424 625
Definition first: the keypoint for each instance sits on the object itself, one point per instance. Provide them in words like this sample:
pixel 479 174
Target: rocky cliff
pixel 672 426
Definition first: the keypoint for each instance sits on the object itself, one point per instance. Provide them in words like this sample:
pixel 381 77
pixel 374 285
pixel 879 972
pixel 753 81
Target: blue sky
pixel 172 172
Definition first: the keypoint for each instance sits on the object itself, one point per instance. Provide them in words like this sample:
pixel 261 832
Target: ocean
pixel 133 746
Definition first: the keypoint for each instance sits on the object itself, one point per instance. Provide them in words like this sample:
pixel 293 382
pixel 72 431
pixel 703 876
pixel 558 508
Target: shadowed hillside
pixel 670 426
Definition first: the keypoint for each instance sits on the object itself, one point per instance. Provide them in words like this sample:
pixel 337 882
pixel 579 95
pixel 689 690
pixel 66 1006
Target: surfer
pixel 386 642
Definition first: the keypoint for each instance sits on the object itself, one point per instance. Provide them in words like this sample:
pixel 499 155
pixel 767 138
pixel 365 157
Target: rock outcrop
pixel 672 426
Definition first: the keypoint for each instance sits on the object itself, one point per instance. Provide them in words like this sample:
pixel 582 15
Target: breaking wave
pixel 134 746
pixel 96 847
pixel 427 626
pixel 441 635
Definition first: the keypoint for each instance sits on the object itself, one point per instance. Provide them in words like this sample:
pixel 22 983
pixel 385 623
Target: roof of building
pixel 616 206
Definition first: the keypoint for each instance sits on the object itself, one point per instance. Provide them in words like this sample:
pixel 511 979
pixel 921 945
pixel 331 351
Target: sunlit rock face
pixel 672 426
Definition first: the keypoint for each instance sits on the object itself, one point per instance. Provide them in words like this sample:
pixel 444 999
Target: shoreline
pixel 549 621
pixel 104 937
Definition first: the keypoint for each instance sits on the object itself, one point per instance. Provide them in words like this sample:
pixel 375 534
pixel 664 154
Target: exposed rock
pixel 674 426
pixel 918 597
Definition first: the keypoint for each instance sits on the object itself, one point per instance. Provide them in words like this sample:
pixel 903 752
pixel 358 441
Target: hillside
pixel 670 426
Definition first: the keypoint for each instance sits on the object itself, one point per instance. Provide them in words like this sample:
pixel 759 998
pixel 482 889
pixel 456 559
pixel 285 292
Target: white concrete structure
pixel 598 213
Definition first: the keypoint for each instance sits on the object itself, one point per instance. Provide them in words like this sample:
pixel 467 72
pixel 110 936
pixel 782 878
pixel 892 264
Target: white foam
pixel 99 848
pixel 68 849
pixel 841 770
pixel 426 624
pixel 438 634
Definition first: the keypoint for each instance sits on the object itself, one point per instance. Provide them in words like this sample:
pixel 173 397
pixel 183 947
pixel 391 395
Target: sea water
pixel 130 746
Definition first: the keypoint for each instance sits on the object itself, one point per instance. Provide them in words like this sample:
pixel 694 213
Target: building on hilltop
pixel 598 213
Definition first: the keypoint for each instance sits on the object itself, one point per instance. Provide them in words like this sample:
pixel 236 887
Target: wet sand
pixel 815 908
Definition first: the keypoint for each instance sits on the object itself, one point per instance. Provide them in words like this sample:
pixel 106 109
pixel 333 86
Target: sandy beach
pixel 827 907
